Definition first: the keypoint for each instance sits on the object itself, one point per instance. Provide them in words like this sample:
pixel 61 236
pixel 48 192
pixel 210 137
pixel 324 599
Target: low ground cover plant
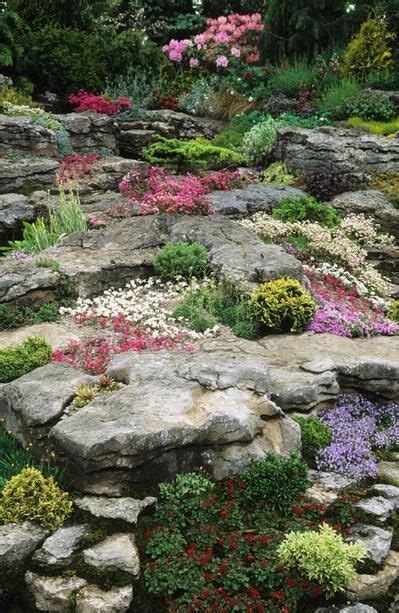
pixel 197 153
pixel 182 259
pixel 222 549
pixel 87 392
pixel 385 128
pixel 277 174
pixel 75 167
pixel 389 184
pixel 20 359
pixel 306 208
pixel 315 436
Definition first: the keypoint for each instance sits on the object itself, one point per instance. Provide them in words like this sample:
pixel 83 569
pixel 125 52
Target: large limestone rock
pixel 17 542
pixel 368 587
pixel 112 256
pixel 376 540
pixel 93 600
pixel 53 594
pixel 335 150
pixel 14 209
pixel 21 134
pixel 58 549
pixel 125 509
pixel 90 132
pixel 371 203
pixel 117 552
pixel 251 199
pixel 388 472
pixel 26 175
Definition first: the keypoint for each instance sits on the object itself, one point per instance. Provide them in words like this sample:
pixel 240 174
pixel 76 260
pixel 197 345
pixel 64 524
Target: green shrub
pixel 182 260
pixel 282 306
pixel 322 556
pixel 259 142
pixel 233 136
pixel 14 317
pixel 384 79
pixel 394 311
pixel 186 488
pixel 305 208
pixel 315 436
pixel 384 128
pixel 275 480
pixel 31 496
pixel 367 105
pixel 21 359
pixel 14 458
pixel 66 13
pixel 193 153
pixel 370 51
pixel 65 218
pixel 337 94
pixel 290 79
pixel 277 174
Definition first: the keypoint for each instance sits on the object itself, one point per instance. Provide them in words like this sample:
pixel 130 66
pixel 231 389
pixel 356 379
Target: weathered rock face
pixel 53 593
pixel 381 505
pixel 335 150
pixel 21 134
pixel 58 549
pixel 90 132
pixel 93 600
pixel 117 552
pixel 14 209
pixel 125 509
pixel 26 175
pixel 367 587
pixel 326 486
pixel 376 540
pixel 17 542
pixel 251 199
pixel 111 257
pixel 373 204
pixel 388 472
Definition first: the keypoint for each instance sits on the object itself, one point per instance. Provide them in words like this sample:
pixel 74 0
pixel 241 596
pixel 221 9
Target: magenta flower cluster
pixel 359 428
pixel 343 312
pixel 226 38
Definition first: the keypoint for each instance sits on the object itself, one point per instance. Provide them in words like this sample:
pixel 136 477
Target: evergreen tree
pixel 65 13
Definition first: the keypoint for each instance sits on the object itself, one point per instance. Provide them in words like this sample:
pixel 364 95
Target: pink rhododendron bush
pixel 227 39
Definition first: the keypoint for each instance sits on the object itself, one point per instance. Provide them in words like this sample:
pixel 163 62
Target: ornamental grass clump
pixel 31 496
pixel 322 556
pixel 182 259
pixel 359 429
pixel 282 306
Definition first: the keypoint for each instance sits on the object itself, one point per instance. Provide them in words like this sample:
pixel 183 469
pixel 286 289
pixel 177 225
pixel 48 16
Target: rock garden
pixel 199 306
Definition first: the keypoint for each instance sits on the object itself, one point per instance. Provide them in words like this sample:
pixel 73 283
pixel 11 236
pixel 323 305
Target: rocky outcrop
pixel 57 551
pixel 17 542
pixel 90 132
pixel 381 505
pixel 124 509
pixel 20 134
pixel 388 472
pixel 53 593
pixel 371 203
pixel 91 599
pixel 251 199
pixel 26 175
pixel 14 209
pixel 368 587
pixel 335 151
pixel 116 553
pixel 110 257
pixel 376 540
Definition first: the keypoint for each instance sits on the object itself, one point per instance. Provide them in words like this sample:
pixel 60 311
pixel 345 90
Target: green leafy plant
pixel 182 260
pixel 87 392
pixel 282 306
pixel 259 142
pixel 200 99
pixel 66 218
pixel 315 436
pixel 186 489
pixel 232 137
pixel 367 105
pixel 277 174
pixel 21 359
pixel 32 496
pixel 394 311
pixel 14 317
pixel 336 95
pixel 275 480
pixel 193 153
pixel 323 556
pixel 370 51
pixel 290 78
pixel 305 208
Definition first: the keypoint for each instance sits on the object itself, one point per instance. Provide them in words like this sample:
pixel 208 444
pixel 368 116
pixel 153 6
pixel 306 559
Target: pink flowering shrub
pixel 94 355
pixel 343 312
pixel 154 191
pixel 227 39
pixel 75 167
pixel 85 101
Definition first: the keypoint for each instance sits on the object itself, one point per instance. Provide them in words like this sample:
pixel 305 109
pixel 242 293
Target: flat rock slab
pixel 117 552
pixel 368 587
pixel 58 549
pixel 251 199
pixel 377 506
pixel 326 486
pixel 53 593
pixel 376 540
pixel 26 174
pixel 19 133
pixel 90 132
pixel 110 257
pixel 17 542
pixel 125 509
pixel 91 599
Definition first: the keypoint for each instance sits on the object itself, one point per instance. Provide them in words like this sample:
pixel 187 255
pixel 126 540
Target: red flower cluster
pixel 86 101
pixel 75 167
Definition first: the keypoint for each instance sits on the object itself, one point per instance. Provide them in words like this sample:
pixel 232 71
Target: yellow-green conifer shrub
pixel 322 556
pixel 394 311
pixel 282 305
pixel 370 51
pixel 31 496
